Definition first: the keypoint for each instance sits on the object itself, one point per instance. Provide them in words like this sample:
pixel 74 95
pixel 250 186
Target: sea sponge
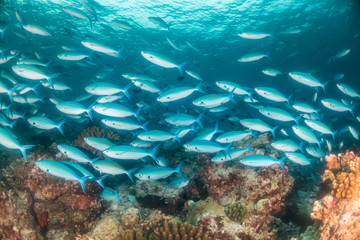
pixel 235 211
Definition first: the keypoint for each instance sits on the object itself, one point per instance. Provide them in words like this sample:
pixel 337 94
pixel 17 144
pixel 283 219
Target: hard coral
pixel 95 131
pixel 338 214
pixel 344 172
pixel 175 230
pixel 235 211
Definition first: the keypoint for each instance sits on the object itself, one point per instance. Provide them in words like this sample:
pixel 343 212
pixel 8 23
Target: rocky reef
pixel 222 201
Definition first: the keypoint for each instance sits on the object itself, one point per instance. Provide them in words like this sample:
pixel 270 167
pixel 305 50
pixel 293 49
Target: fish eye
pixel 168 97
pixel 196 148
pixel 148 177
pixel 201 102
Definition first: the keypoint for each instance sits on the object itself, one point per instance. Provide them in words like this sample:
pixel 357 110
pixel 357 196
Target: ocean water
pixel 318 39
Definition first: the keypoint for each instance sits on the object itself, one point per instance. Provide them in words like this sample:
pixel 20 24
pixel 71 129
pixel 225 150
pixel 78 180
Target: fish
pixel 45 123
pixel 73 56
pixel 123 24
pixel 194 75
pixel 307 79
pixel 254 35
pixel 162 61
pixel 251 57
pixel 213 100
pixel 177 182
pixel 104 88
pixel 320 127
pixel 102 48
pixel 208 134
pixel 204 146
pixel 61 170
pixel 129 152
pixel 9 141
pixel 346 89
pixel 306 134
pixel 342 53
pixel 157 136
pixel 77 13
pixel 109 193
pixel 115 110
pixel 230 86
pixel 136 76
pixel 99 144
pixel 235 153
pixel 146 86
pixel 233 136
pixel 160 22
pixel 153 173
pixel 286 145
pixel 278 114
pixel 111 167
pixel 32 73
pixel 73 108
pixel 57 86
pixel 178 93
pixel 315 151
pixel 337 106
pixel 271 94
pixel 123 124
pixel 85 172
pixel 304 108
pixel 354 132
pixel 173 45
pixel 74 153
pixel 5 122
pixel 261 161
pixel 271 72
pixel 298 158
pixel 258 125
pixel 182 119
pixel 37 29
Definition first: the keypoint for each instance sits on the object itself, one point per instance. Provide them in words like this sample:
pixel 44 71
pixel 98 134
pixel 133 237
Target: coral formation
pixel 235 211
pixel 337 215
pixel 96 131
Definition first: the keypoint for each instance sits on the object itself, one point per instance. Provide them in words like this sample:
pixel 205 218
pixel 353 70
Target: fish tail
pixel 352 110
pixel 137 113
pixel 273 131
pixel 226 150
pixel 82 183
pixel 130 172
pixel 126 91
pixel 333 135
pixel 119 54
pixel 281 162
pixel 248 147
pixel 198 88
pixel 180 67
pixel 153 154
pixel 144 126
pixel 94 160
pixel 51 77
pixel 198 120
pixel 24 148
pixel 178 169
pixel 116 195
pixel 289 98
pixel 12 123
pixel 231 96
pixel 301 147
pixel 34 89
pixel 10 93
pixel 253 134
pixel 216 129
pixel 100 179
pixel 297 120
pixel 59 127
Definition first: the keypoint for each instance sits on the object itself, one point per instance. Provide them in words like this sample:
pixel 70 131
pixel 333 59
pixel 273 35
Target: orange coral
pixel 344 173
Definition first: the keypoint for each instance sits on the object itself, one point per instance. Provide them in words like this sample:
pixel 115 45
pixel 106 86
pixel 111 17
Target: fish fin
pixel 231 96
pixel 11 125
pixel 59 127
pixel 94 160
pixel 129 173
pixel 289 98
pixel 281 162
pixel 51 77
pixel 297 120
pixel 24 148
pixel 144 126
pixel 137 114
pixel 152 154
pixel 178 169
pixel 100 179
pixel 248 147
pixel 301 147
pixel 323 85
pixel 119 54
pixel 180 67
pixel 116 195
pixel 126 91
pixel 166 184
pixel 198 120
pixel 34 88
pixel 352 110
pixel 333 134
pixel 226 150
pixel 253 134
pixel 10 93
pixel 273 131
pixel 216 129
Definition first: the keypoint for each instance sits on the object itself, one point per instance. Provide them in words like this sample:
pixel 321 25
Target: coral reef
pixel 96 131
pixel 235 211
pixel 337 214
